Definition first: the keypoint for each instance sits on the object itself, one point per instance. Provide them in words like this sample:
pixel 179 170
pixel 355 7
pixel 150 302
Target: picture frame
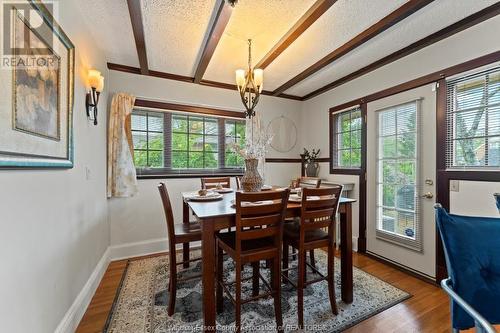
pixel 36 120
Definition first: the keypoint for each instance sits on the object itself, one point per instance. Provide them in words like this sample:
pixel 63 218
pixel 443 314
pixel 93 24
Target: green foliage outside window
pixel 348 126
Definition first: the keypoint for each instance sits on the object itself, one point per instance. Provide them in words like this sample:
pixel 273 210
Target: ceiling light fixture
pixel 250 84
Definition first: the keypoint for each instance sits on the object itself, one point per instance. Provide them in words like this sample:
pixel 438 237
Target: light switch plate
pixel 455 185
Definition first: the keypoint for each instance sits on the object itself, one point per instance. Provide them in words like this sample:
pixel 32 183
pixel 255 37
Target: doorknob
pixel 428 195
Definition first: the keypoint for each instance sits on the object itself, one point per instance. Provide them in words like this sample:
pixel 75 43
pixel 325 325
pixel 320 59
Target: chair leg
pixel 277 294
pixel 285 261
pixel 331 279
pixel 255 278
pixel 313 260
pixel 238 298
pixel 173 283
pixel 300 287
pixel 185 255
pixel 219 274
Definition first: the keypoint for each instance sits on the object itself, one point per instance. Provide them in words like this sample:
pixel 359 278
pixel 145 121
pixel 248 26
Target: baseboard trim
pixel 73 316
pixel 138 249
pixel 402 268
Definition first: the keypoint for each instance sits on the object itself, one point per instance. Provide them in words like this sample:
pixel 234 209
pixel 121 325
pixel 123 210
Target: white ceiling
pixel 175 31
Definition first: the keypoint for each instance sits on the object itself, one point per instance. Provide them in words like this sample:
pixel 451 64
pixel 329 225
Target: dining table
pixel 220 214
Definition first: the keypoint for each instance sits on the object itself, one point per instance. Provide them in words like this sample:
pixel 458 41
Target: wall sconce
pixel 96 84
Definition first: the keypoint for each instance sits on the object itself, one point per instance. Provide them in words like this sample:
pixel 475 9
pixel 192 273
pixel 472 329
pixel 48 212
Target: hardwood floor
pixel 426 311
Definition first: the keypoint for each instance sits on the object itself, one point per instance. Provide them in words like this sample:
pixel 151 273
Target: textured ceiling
pixel 343 21
pixel 109 23
pixel 429 19
pixel 265 22
pixel 174 32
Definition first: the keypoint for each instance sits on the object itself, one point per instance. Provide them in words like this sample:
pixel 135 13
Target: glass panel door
pixel 397 199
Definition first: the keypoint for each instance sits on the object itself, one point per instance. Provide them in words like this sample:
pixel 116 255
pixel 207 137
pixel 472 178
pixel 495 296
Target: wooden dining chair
pixel 309 182
pixel 238 182
pixel 307 234
pixel 258 236
pixel 211 183
pixel 177 234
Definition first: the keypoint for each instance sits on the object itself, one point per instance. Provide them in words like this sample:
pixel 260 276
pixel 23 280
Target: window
pixel 347 139
pixel 147 134
pixel 473 121
pixel 397 197
pixel 185 143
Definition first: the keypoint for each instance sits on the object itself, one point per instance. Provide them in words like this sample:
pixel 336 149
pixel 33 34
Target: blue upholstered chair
pixel 472 251
pixel 497 198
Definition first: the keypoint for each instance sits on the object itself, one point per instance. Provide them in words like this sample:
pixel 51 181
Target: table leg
pixel 346 253
pixel 185 246
pixel 208 274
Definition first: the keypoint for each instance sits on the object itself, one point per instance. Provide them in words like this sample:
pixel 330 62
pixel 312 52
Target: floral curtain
pixel 122 181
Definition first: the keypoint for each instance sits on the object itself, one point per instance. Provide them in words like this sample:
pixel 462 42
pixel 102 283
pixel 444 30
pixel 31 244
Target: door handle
pixel 428 195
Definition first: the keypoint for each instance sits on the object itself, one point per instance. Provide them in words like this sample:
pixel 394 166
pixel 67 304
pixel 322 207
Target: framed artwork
pixel 36 129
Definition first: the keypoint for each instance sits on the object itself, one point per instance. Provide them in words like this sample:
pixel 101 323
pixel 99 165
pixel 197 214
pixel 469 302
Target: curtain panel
pixel 122 180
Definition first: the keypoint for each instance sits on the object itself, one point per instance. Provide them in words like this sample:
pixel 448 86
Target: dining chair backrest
pixel 169 216
pixel 238 182
pixel 309 182
pixel 257 221
pixel 211 183
pixel 319 213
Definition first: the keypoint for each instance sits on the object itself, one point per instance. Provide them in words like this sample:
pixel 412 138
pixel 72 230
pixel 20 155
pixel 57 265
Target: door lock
pixel 428 195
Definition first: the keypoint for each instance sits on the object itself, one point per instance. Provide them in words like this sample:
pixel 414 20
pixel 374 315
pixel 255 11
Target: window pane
pixel 389 193
pixel 356 139
pixel 139 122
pixel 407 172
pixel 345 158
pixel 345 122
pixel 196 125
pixel 407 145
pixel 470 152
pixel 230 128
pixel 211 126
pixel 179 160
pixel 140 158
pixel 494 151
pixel 155 141
pixel 211 160
pixel 240 131
pixel 230 159
pixel 179 141
pixel 195 142
pixel 406 224
pixel 388 172
pixel 388 220
pixel 211 143
pixel 405 197
pixel 179 123
pixel 195 160
pixel 356 121
pixel 387 123
pixel 356 158
pixel 156 159
pixel 345 140
pixel 388 148
pixel 155 122
pixel 139 140
pixel 406 121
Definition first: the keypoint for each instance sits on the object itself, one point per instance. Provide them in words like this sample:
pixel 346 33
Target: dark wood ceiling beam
pixel 134 8
pixel 393 18
pixel 312 14
pixel 221 19
pixel 188 79
pixel 450 30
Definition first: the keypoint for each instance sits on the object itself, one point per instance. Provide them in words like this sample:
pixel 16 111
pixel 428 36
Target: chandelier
pixel 250 84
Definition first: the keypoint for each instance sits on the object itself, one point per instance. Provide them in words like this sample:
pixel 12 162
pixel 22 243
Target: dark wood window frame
pixel 334 114
pixel 168 109
pixel 443 176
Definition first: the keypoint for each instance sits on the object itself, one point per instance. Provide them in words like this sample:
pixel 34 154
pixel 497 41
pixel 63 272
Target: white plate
pixel 209 197
pixel 223 190
pixel 296 198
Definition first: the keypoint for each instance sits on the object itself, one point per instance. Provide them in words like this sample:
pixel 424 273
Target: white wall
pixel 466 45
pixel 474 198
pixel 140 219
pixel 53 224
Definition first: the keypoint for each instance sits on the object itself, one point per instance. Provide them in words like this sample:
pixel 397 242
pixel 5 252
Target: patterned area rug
pixel 141 304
